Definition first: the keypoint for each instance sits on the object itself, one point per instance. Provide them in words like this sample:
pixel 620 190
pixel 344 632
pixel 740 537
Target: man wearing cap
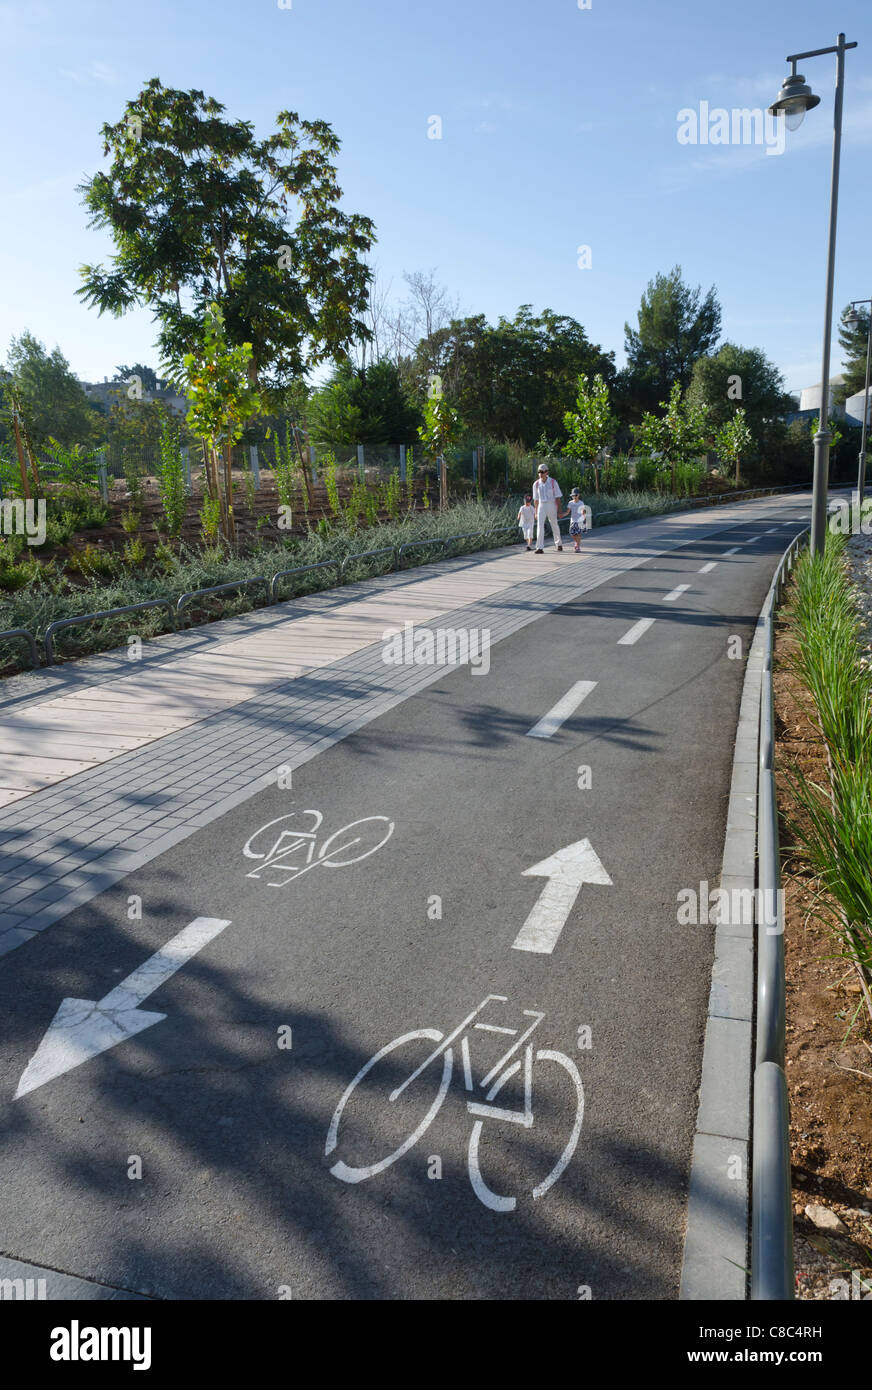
pixel 546 495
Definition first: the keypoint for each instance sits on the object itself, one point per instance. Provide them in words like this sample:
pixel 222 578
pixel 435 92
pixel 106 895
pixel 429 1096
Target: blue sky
pixel 559 130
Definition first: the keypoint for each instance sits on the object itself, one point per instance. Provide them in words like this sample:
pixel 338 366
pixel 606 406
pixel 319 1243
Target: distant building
pixel 854 407
pixel 108 393
pixel 810 402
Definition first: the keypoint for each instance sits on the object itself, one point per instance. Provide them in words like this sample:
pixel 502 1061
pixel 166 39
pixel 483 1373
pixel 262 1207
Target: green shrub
pixel 171 478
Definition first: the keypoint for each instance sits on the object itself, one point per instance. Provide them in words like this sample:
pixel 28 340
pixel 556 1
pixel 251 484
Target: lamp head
pixel 794 99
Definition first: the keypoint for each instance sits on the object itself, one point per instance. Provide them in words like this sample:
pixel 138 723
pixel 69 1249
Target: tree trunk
pixel 31 456
pixel 25 485
pixel 230 524
pixel 443 483
pixel 307 478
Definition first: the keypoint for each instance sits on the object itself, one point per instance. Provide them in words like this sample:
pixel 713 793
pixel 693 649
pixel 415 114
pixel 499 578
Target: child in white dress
pixel 578 522
pixel 526 520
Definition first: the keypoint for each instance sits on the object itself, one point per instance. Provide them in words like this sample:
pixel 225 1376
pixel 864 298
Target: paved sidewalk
pixel 210 717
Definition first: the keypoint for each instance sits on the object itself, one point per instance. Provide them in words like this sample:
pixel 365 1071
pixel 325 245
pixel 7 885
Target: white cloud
pixel 93 74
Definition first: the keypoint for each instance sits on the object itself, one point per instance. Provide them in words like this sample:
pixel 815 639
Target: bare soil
pixel 829 1057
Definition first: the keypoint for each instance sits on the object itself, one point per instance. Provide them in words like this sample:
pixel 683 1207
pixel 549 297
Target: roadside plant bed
pixel 41 603
pixel 825 865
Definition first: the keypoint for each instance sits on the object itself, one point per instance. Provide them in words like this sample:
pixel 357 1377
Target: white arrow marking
pixel 566 871
pixel 83 1028
pixel 551 722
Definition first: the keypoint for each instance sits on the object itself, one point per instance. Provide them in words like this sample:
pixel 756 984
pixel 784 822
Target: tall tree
pixel 147 375
pixel 363 408
pixel 514 380
pixel 51 399
pixel 201 211
pixel 735 377
pixel 853 342
pixel 677 325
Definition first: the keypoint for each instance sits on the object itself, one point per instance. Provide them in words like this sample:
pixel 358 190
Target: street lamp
pixel 855 320
pixel 792 102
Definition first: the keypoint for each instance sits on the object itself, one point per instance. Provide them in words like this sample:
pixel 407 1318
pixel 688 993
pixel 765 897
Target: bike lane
pixel 225 1104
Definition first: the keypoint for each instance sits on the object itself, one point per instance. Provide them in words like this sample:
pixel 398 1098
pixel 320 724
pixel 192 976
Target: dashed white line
pixel 635 632
pixel 735 550
pixel 551 722
pixel 707 569
pixel 676 593
pixel 772 530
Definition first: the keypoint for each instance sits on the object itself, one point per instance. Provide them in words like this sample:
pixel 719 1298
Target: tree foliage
pixel 676 326
pixel 202 212
pixel 734 440
pixel 853 342
pixel 514 380
pixel 678 436
pixel 736 376
pixel 363 407
pixel 51 399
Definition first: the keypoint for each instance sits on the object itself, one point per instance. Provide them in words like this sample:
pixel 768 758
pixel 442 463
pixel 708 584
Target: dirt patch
pixel 829 1058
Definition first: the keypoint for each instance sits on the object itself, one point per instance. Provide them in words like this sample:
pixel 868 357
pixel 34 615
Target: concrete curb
pixel 716 1245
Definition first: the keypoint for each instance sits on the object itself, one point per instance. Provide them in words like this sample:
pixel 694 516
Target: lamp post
pixel 854 320
pixel 792 102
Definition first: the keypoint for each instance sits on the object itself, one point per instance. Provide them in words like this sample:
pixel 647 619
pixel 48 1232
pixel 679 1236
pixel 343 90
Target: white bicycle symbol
pixel 492 1084
pixel 290 852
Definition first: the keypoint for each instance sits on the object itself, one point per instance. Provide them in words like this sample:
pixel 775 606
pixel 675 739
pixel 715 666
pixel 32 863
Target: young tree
pixel 677 325
pixel 441 429
pixel 678 436
pixel 734 440
pixel 591 426
pixel 201 212
pixel 218 381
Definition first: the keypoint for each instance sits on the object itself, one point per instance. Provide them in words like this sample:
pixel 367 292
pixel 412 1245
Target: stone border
pixel 716 1245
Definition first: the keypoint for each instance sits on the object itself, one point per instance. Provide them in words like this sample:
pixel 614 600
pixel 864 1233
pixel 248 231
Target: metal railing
pixel 190 594
pixel 56 626
pixel 771 1199
pixel 299 569
pixel 365 555
pixel 29 639
pixel 175 607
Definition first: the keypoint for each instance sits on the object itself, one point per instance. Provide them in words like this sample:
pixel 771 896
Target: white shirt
pixel 546 490
pixel 576 513
pixel 526 516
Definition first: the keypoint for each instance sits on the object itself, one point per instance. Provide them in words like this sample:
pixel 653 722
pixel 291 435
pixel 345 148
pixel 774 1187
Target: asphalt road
pixel 238 1197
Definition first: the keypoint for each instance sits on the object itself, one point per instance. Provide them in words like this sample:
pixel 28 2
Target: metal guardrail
pixel 412 545
pixel 299 569
pixel 771 1198
pixel 29 639
pixel 339 565
pixel 365 555
pixel 56 626
pixel 190 594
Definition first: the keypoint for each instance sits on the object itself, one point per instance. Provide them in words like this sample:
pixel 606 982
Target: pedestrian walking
pixel 578 517
pixel 526 518
pixel 546 495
